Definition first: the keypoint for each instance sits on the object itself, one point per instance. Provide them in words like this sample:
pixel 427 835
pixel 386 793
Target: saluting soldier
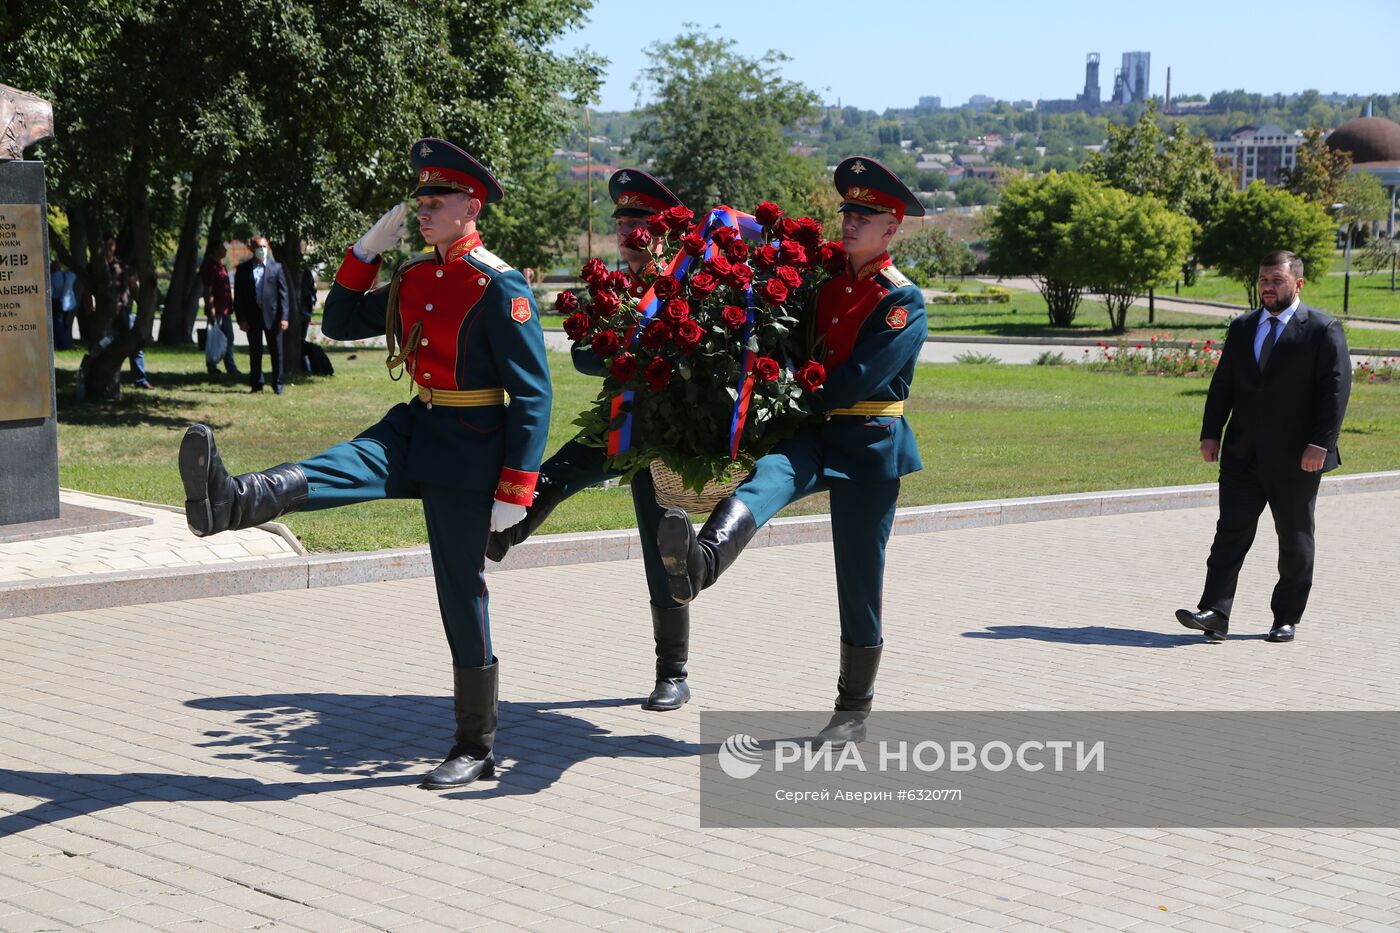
pixel 576 466
pixel 463 324
pixel 868 329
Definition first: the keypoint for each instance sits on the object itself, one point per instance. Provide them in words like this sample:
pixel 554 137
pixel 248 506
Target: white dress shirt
pixel 1262 331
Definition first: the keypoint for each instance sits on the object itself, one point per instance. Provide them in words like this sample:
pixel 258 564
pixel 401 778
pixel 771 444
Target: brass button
pixel 834 320
pixel 848 289
pixel 427 375
pixel 427 307
pixel 481 281
pixel 439 273
pixel 423 342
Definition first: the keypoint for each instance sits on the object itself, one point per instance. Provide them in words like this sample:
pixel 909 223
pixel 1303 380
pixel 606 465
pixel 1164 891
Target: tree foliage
pixel 1249 224
pixel 1317 170
pixel 928 252
pixel 1363 200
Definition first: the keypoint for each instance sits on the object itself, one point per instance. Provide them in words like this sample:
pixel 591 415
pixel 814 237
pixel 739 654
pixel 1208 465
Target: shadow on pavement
pixel 1093 635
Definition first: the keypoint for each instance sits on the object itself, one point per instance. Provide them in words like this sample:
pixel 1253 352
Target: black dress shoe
pixel 1280 633
pixel 1209 621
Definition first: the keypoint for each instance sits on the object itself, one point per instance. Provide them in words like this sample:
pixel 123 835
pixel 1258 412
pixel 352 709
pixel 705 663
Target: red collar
pixel 463 246
pixel 873 266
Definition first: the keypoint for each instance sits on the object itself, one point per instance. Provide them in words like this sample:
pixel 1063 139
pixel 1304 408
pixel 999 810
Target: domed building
pixel 1374 145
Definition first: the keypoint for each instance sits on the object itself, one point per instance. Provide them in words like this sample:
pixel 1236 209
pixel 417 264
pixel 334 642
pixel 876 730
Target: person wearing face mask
pixel 262 306
pixel 1278 396
pixel 463 325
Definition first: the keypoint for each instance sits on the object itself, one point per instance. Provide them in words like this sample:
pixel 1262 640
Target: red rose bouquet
pixel 705 353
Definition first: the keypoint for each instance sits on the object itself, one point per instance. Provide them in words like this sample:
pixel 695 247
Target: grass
pixel 1370 294
pixel 986 432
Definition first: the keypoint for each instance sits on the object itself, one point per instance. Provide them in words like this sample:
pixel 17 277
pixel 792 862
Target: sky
pixel 876 55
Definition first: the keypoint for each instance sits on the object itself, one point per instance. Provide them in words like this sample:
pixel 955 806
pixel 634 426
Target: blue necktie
pixel 1268 346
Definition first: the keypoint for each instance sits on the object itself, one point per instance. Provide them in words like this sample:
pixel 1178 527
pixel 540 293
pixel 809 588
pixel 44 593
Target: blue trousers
pixel 127 322
pixel 374 466
pixel 576 467
pixel 862 514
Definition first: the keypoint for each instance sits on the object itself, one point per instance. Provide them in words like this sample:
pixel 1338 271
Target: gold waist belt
pixel 871 409
pixel 456 398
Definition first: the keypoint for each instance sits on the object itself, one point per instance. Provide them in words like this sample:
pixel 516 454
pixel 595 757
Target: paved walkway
pixel 248 762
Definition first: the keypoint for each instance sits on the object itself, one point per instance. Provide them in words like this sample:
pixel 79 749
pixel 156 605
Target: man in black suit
pixel 262 301
pixel 1282 384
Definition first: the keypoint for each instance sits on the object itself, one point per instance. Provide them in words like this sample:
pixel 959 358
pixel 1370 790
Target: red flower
pixel 576 325
pixel 810 375
pixel 774 291
pixel 658 373
pixel 675 311
pixel 688 336
pixel 595 273
pixel 766 369
pixel 606 342
pixel 833 257
pixel 717 265
pixel 723 235
pixel 786 228
pixel 795 253
pixel 679 217
pixel 740 276
pixel 692 244
pixel 566 302
pixel 737 251
pixel 809 232
pixel 766 256
pixel 790 276
pixel 621 281
pixel 605 303
pixel 656 336
pixel 703 284
pixel 767 213
pixel 656 224
pixel 666 287
pixel 637 239
pixel 734 317
pixel 624 367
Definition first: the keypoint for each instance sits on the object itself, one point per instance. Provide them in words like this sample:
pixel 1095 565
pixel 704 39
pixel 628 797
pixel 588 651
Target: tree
pixel 1317 170
pixel 1119 245
pixel 715 126
pixel 929 252
pixel 1363 200
pixel 1026 236
pixel 1250 223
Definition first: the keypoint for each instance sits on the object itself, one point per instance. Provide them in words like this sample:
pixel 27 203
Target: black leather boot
pixel 474 694
pixel 671 629
pixel 215 501
pixel 548 495
pixel 855 692
pixel 694 562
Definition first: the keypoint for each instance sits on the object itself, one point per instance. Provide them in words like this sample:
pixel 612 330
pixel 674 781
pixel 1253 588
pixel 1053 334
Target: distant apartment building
pixel 930 103
pixel 981 102
pixel 1259 152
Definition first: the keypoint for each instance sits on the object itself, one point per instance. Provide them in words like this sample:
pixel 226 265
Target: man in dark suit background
pixel 262 303
pixel 1282 386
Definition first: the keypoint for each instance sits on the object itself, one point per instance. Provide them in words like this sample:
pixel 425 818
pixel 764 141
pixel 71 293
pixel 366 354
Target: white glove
pixel 506 515
pixel 384 235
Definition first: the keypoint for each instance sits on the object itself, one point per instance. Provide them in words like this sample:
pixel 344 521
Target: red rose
pixel 774 291
pixel 656 225
pixel 566 302
pixel 692 244
pixel 637 239
pixel 656 335
pixel 790 276
pixel 688 336
pixel 735 317
pixel 766 369
pixel 794 253
pixel 740 277
pixel 594 272
pixel 717 265
pixel 666 287
pixel 810 375
pixel 786 228
pixel 606 342
pixel 766 256
pixel 605 303
pixel 658 373
pixel 833 257
pixel 722 235
pixel 576 325
pixel 738 251
pixel 621 281
pixel 679 217
pixel 767 213
pixel 624 367
pixel 703 284
pixel 809 232
pixel 675 311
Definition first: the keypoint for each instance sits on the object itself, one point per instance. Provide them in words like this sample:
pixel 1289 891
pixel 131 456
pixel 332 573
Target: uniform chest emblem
pixel 897 318
pixel 520 310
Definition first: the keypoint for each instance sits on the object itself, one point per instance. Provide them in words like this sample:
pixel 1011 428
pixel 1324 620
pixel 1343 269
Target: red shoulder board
pixel 897 318
pixel 520 309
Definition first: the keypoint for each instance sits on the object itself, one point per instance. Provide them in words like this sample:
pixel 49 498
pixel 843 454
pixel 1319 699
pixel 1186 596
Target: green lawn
pixel 1370 294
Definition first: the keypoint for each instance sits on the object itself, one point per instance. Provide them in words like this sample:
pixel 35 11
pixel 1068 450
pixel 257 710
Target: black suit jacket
pixel 245 298
pixel 1299 399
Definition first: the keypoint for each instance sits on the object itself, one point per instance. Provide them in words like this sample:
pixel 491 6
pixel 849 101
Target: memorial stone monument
pixel 28 417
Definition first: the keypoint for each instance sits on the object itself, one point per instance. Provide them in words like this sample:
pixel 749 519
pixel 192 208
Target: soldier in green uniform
pixel 868 330
pixel 470 337
pixel 577 466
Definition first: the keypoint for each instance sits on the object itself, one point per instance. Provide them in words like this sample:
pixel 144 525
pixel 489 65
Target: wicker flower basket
pixel 671 493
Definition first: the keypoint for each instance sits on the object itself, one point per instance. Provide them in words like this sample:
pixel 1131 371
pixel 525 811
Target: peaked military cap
pixel 867 187
pixel 442 168
pixel 638 194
